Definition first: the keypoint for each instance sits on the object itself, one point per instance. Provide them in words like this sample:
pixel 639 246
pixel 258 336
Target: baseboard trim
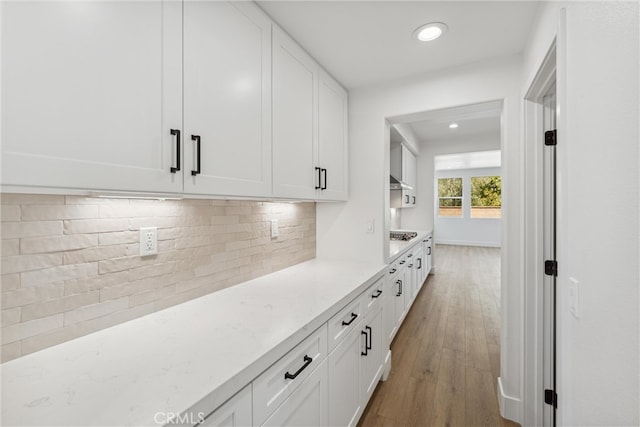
pixel 464 243
pixel 510 407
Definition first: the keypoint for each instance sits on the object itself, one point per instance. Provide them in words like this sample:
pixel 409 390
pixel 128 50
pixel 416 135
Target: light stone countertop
pixel 194 355
pixel 398 247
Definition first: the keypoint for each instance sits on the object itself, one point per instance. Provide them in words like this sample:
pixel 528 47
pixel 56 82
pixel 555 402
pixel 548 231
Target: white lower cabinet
pixel 399 293
pixel 344 381
pixel 236 412
pixel 372 355
pixel 308 406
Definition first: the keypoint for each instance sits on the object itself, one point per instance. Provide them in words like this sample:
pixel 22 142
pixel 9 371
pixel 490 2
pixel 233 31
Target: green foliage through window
pixel 486 197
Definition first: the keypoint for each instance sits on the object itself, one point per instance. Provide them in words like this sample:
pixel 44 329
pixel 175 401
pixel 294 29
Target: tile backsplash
pixel 71 264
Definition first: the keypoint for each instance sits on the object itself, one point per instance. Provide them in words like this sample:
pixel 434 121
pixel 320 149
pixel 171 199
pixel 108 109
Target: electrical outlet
pixel 274 228
pixel 148 241
pixel 370 226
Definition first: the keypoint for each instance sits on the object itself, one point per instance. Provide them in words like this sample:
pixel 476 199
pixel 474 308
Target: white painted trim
pixel 509 406
pixel 466 243
pixel 386 368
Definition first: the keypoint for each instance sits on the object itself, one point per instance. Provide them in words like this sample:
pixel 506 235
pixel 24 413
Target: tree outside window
pixel 450 197
pixel 486 197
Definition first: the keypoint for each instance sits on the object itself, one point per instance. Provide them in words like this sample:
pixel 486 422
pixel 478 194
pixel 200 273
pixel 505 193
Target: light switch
pixel 274 228
pixel 370 226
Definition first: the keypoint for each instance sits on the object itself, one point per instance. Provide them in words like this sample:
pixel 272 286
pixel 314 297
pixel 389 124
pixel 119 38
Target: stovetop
pixel 402 235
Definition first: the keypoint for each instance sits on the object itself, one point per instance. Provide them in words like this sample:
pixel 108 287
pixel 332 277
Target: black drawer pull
pixel 409 256
pixel 399 283
pixel 366 346
pixel 353 317
pixel 393 270
pixel 407 196
pixel 196 139
pixel 410 265
pixel 429 253
pixel 319 185
pixel 307 362
pixel 324 186
pixel 402 262
pixel 420 265
pixel 176 132
pixel 377 294
pixel 368 328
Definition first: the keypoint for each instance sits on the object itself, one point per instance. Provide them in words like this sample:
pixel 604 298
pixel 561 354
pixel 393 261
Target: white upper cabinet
pixel 295 123
pixel 227 99
pixel 332 144
pixel 90 93
pixel 309 126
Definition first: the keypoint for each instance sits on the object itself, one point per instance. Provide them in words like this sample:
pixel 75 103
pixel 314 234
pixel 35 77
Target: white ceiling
pixel 369 42
pixel 472 120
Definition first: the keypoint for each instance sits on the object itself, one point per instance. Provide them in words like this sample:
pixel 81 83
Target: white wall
pixel 466 230
pixel 341 227
pixel 598 207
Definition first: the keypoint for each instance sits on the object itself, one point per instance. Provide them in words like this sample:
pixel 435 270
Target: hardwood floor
pixel 446 355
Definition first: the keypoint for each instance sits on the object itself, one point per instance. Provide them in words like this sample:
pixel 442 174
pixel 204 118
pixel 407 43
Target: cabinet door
pixel 344 381
pixel 227 99
pixel 90 93
pixel 400 297
pixel 389 311
pixel 410 276
pixel 372 355
pixel 419 266
pixel 295 93
pixel 333 134
pixel 234 413
pixel 307 406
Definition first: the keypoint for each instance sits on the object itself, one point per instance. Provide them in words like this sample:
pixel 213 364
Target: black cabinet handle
pixel 409 256
pixel 393 270
pixel 307 362
pixel 399 283
pixel 377 294
pixel 419 265
pixel 429 253
pixel 402 262
pixel 369 345
pixel 407 196
pixel 410 265
pixel 176 132
pixel 353 317
pixel 414 199
pixel 319 185
pixel 366 347
pixel 324 186
pixel 196 138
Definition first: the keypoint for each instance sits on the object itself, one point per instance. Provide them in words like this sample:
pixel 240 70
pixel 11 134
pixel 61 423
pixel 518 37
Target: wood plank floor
pixel 446 355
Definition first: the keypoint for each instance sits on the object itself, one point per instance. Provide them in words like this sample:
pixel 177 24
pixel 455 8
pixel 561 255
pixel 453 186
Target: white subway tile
pixel 11 351
pixel 85 284
pixel 94 254
pixel 119 237
pixel 9 213
pixel 33 245
pixel 22 263
pixel 59 305
pixel 9 282
pixel 10 316
pixel 95 310
pixel 10 247
pixel 24 296
pixel 12 230
pixel 58 274
pixel 86 226
pixel 130 288
pixel 152 295
pixel 43 213
pixel 31 328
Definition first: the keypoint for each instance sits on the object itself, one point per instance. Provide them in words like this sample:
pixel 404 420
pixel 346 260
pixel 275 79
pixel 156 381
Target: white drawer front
pixel 272 387
pixel 344 322
pixel 372 297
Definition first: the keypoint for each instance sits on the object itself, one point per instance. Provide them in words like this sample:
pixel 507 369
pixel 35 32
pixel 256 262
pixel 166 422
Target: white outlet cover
pixel 148 241
pixel 274 228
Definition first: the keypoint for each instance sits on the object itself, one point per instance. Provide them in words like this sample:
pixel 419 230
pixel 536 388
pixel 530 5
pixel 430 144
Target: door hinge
pixel 551 268
pixel 551 398
pixel 550 137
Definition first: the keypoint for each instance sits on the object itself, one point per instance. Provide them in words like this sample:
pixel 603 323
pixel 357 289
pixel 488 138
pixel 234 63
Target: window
pixel 486 194
pixel 450 197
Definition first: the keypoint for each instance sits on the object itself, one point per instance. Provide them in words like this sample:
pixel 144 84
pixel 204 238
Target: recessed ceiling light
pixel 453 126
pixel 429 32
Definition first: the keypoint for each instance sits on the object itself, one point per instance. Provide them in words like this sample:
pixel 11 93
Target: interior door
pixel 549 252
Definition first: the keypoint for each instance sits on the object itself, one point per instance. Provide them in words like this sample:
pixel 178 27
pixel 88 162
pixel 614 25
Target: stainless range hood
pixel 397 184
